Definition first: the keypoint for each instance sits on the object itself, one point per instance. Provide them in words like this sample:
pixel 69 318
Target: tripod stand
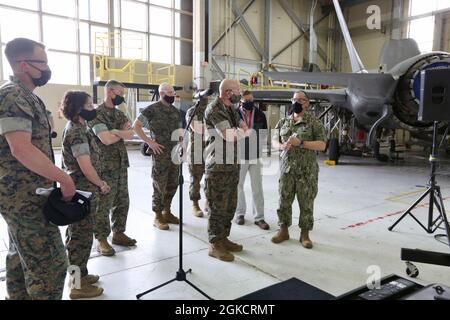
pixel 181 273
pixel 434 192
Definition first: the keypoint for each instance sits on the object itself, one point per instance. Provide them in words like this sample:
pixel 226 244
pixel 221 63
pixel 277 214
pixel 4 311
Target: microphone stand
pixel 181 273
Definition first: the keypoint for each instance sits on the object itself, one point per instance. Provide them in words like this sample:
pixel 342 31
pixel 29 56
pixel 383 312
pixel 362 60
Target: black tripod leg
pixel 409 210
pixel 435 224
pixel 444 216
pixel 155 288
pixel 181 274
pixel 195 287
pixel 437 202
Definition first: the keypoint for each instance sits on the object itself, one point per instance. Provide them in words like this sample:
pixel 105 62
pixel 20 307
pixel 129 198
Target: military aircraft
pixel 387 99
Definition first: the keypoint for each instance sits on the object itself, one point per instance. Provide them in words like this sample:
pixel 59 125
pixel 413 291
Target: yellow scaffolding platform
pixel 107 67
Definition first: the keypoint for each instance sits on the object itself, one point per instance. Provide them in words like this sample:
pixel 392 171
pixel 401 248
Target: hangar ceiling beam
pixel 397 14
pixel 217 67
pixel 244 10
pixel 248 31
pixel 267 35
pixel 290 12
pixel 298 37
pixel 344 4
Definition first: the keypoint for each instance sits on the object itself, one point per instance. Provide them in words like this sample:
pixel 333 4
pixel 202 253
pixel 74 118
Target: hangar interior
pixel 193 45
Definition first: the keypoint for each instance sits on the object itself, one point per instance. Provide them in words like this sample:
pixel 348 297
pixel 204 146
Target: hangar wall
pixel 52 94
pixel 446 33
pixel 235 50
pixel 368 42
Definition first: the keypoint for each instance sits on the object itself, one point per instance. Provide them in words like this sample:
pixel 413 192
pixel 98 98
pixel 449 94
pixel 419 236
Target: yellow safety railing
pixel 266 83
pixel 127 70
pixel 137 71
pixel 262 82
pixel 165 74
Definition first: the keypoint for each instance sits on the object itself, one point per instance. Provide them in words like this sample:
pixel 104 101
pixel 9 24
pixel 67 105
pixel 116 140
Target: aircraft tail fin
pixel 355 60
pixel 396 51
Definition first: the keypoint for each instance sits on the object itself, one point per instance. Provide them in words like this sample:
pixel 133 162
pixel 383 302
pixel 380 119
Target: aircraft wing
pixel 336 97
pixel 368 84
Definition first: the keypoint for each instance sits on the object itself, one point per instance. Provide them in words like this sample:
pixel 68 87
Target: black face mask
pixel 297 108
pixel 248 105
pixel 169 99
pixel 235 98
pixel 43 79
pixel 118 100
pixel 88 115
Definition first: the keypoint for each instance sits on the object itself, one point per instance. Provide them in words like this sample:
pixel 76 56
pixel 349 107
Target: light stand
pixel 181 273
pixel 434 192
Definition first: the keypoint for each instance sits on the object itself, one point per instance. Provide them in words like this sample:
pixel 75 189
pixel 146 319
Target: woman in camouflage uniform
pixel 80 156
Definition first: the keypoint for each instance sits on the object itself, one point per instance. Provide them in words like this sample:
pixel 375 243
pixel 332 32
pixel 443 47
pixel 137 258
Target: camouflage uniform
pixel 162 121
pixel 115 165
pixel 36 262
pixel 299 169
pixel 222 170
pixel 78 141
pixel 197 147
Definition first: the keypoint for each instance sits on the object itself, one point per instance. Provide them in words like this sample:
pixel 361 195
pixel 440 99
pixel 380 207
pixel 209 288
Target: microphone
pixel 203 94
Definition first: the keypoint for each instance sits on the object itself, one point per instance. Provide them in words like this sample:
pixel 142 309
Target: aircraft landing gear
pixel 333 150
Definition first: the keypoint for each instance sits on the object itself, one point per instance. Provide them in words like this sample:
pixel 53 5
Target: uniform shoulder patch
pixel 11 99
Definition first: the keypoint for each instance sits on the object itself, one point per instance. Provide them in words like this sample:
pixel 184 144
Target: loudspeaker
pixel 435 95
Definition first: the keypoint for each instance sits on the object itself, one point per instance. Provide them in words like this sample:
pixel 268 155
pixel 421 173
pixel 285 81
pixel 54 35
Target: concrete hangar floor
pixel 357 201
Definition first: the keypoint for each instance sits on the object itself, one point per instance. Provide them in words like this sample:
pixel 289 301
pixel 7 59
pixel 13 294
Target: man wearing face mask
pixel 36 263
pixel 163 120
pixel 299 137
pixel 250 161
pixel 111 127
pixel 224 129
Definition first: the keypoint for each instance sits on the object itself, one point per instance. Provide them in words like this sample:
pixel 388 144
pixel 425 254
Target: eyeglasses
pixel 118 93
pixel 299 100
pixel 33 61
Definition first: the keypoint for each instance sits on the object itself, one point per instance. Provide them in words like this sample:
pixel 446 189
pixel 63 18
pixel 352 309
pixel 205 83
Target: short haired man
pixel 163 120
pixel 224 129
pixel 112 128
pixel 36 262
pixel 251 155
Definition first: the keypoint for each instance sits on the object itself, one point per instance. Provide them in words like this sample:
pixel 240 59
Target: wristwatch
pixel 302 144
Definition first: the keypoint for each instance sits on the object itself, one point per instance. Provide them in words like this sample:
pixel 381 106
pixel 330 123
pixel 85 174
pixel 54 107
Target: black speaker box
pixel 435 95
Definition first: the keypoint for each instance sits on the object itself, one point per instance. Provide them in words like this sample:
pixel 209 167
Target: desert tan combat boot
pixel 159 222
pixel 122 239
pixel 86 291
pixel 104 248
pixel 217 250
pixel 168 216
pixel 231 246
pixel 304 239
pixel 90 279
pixel 282 234
pixel 196 211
